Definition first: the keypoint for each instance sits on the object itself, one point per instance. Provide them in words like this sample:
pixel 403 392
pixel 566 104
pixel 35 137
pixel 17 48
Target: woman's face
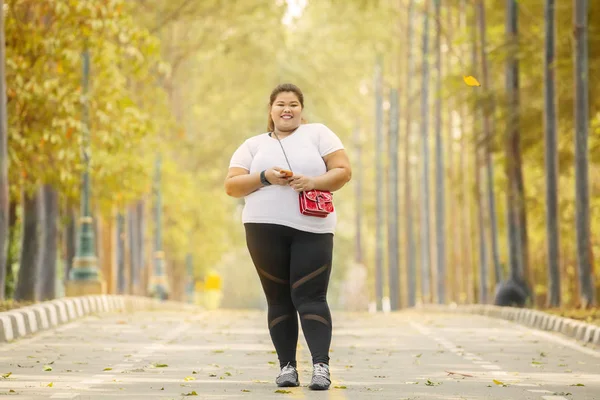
pixel 286 112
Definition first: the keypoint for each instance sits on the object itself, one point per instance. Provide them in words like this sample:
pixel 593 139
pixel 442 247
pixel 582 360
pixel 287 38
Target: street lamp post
pixel 84 278
pixel 158 284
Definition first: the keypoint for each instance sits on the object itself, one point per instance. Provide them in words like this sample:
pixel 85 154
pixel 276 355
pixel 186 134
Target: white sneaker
pixel 288 377
pixel 320 378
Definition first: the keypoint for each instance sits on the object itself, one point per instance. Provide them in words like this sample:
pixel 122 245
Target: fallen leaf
pixel 6 375
pixel 283 391
pixel 340 387
pixel 245 390
pixel 192 393
pixel 471 81
pixel 189 378
pixel 157 365
pixel 107 369
pixel 50 384
pixel 47 368
pixel 578 384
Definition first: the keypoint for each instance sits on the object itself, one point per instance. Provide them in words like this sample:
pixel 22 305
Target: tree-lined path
pixel 228 355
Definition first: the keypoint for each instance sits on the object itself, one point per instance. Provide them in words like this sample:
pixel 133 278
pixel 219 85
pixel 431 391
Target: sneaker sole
pixel 318 387
pixel 288 384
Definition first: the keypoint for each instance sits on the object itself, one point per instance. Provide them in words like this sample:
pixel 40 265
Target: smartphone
pixel 286 173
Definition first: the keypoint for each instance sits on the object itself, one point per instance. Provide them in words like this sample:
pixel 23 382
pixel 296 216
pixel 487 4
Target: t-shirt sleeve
pixel 328 141
pixel 242 157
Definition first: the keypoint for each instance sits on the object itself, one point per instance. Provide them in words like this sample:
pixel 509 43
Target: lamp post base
pixel 158 287
pixel 85 288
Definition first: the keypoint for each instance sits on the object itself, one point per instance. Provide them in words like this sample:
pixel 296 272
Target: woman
pixel 292 252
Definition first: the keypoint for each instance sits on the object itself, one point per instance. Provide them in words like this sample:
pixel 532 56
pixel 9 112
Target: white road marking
pixel 565 342
pixel 539 391
pixel 491 367
pixel 64 395
pixel 554 398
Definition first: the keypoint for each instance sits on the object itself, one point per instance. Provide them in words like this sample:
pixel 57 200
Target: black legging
pixel 294 268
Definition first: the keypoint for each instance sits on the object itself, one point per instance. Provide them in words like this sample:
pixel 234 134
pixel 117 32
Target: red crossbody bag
pixel 316 203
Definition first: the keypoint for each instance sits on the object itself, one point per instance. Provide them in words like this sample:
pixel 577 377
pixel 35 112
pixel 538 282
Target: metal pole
pixel 159 287
pixel 85 261
pixel 393 206
pixel 379 184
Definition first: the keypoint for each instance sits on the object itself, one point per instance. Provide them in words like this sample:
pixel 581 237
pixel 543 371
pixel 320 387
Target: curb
pixel 49 314
pixel 540 320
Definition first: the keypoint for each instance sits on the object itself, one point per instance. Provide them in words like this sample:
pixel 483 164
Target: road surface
pixel 227 354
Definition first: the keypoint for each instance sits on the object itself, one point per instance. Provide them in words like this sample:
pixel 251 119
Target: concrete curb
pixel 578 330
pixel 46 315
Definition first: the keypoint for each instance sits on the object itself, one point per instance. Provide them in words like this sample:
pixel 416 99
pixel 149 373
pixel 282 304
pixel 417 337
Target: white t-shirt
pixel 275 204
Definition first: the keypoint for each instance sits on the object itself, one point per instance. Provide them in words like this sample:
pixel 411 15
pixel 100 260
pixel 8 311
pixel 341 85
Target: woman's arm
pixel 239 182
pixel 338 174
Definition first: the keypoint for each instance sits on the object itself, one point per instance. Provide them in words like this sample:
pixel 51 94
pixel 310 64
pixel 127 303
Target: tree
pixel 48 244
pixel 551 152
pixel 4 200
pixel 26 289
pixel 408 203
pixel 488 132
pixel 439 164
pixel 517 231
pixel 582 200
pixel 425 218
pixel 483 263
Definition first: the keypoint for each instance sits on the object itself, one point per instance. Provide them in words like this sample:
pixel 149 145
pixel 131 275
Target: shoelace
pixel 321 370
pixel 287 369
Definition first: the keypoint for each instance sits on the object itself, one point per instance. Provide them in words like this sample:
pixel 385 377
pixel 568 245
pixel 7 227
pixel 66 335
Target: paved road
pixel 228 355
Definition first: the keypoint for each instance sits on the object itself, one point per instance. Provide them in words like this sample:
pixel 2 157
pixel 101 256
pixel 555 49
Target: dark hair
pixel 284 87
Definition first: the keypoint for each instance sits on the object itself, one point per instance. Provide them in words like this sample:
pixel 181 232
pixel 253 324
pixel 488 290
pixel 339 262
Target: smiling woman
pixel 291 250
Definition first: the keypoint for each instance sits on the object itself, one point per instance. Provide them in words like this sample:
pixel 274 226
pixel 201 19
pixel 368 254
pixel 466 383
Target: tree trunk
pixel 49 242
pixel 141 229
pixel 425 218
pixel 452 229
pixel 393 256
pixel 515 201
pixel 411 283
pixel 483 263
pixel 552 229
pixel 466 264
pixel 379 184
pixel 11 255
pixel 439 157
pixel 70 240
pixel 30 247
pixel 121 285
pixel 358 254
pixel 488 137
pixel 582 197
pixel 4 217
pixel 132 233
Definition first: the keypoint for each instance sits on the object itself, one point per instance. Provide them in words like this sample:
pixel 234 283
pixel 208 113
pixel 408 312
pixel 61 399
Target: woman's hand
pixel 276 178
pixel 301 183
